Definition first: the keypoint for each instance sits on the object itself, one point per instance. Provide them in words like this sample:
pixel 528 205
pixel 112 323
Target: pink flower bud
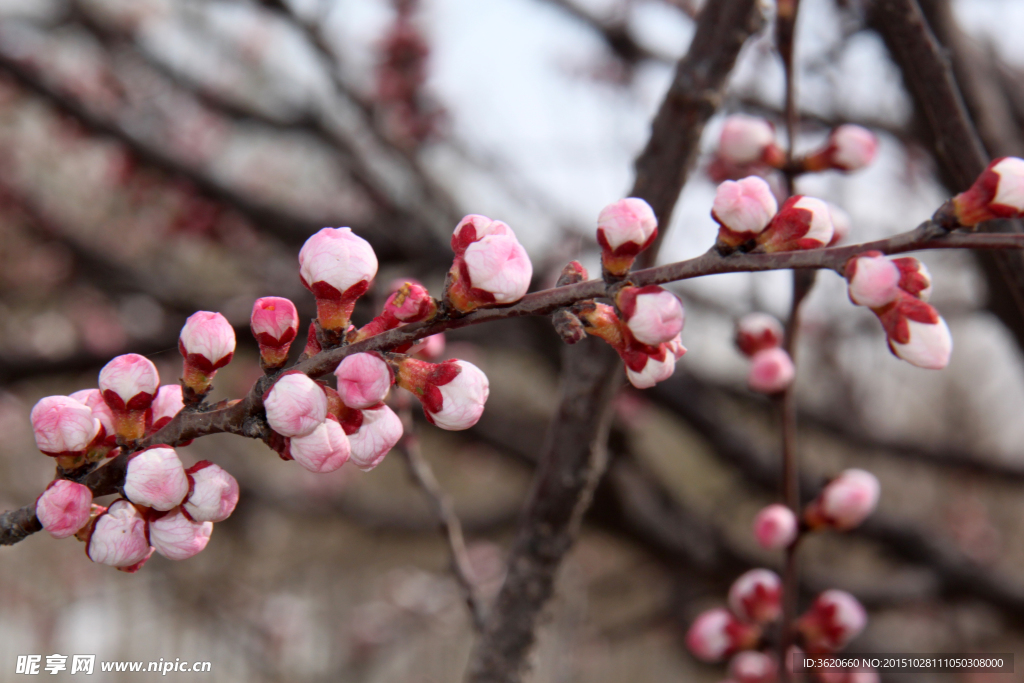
pixel 775 527
pixel 274 324
pixel 757 332
pixel 378 431
pixel 364 380
pixel 429 348
pixel 914 277
pixel 745 139
pixel 64 507
pixel 624 229
pixel 156 478
pixel 177 537
pixel 453 393
pixel 743 209
pixel 63 426
pixel 100 410
pixel 338 267
pixel 657 368
pixel 295 405
pixel 493 270
pixel 846 501
pixel 916 333
pixel 801 223
pixel 997 193
pixel 841 224
pixel 874 280
pixel 654 315
pixel 771 371
pixel 753 667
pixel 128 385
pixel 325 449
pixel 474 228
pixel 118 537
pixel 851 147
pixel 834 619
pixel 214 493
pixel 207 343
pixel 716 634
pixel 757 596
pixel 166 405
pixel 411 303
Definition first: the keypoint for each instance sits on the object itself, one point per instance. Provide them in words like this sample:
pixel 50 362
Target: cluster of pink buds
pixel 207 343
pixel 897 291
pixel 490 267
pixel 759 337
pixel 747 213
pixel 997 193
pixel 755 601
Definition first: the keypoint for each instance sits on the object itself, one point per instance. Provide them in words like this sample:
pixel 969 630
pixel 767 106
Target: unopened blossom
pixel 377 432
pixel 337 266
pixel 914 277
pixel 874 280
pixel 747 140
pixel 325 449
pixel 849 148
pixel 758 331
pixel 716 634
pixel 295 405
pixel 493 270
pixel 645 365
pixel 177 537
pixel 656 368
pixel 841 224
pixel 166 405
pixel 624 229
pixel 64 507
pixel 771 371
pixel 453 393
pixel 756 596
pixel 916 332
pixel 156 478
pixel 997 193
pixel 411 303
pixel 653 314
pixel 100 410
pixel 473 228
pixel 753 667
pixel 274 324
pixel 64 427
pixel 207 343
pixel 743 209
pixel 118 537
pixel 834 619
pixel 775 527
pixel 364 380
pixel 801 223
pixel 214 493
pixel 846 501
pixel 128 385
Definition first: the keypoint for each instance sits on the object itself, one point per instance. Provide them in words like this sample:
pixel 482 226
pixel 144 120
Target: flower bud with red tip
pixel 771 371
pixel 652 314
pixel 474 228
pixel 645 365
pixel 834 619
pixel 775 527
pixel 997 193
pixel 874 279
pixel 916 332
pixel 490 266
pixel 325 449
pixel 274 324
pixel 213 495
pixel 64 507
pixel 849 148
pixel 624 229
pixel 757 332
pixel 364 380
pixel 845 502
pixel 156 478
pixel 118 537
pixel 166 405
pixel 128 385
pixel 753 667
pixel 743 209
pixel 372 434
pixel 411 303
pixel 914 277
pixel 756 596
pixel 337 266
pixel 295 405
pixel 716 634
pixel 64 427
pixel 645 370
pixel 748 140
pixel 453 393
pixel 177 537
pixel 207 343
pixel 801 223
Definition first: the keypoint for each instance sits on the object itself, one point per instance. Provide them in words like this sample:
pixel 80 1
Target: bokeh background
pixel 159 157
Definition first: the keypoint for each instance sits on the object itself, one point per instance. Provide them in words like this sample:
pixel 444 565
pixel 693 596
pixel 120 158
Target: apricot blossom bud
pixel 128 385
pixel 118 537
pixel 757 332
pixel 364 380
pixel 756 596
pixel 156 478
pixel 771 371
pixel 747 140
pixel 207 343
pixel 167 404
pixel 655 368
pixel 846 501
pixel 295 405
pixel 652 314
pixel 716 634
pixel 801 223
pixel 100 410
pixel 337 266
pixel 453 393
pixel 64 507
pixel 874 280
pixel 753 667
pixel 411 303
pixel 849 148
pixel 624 229
pixel 492 270
pixel 177 537
pixel 473 228
pixel 997 193
pixel 274 324
pixel 325 449
pixel 775 527
pixel 377 432
pixel 214 493
pixel 743 209
pixel 834 619
pixel 63 426
pixel 914 277
pixel 916 332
